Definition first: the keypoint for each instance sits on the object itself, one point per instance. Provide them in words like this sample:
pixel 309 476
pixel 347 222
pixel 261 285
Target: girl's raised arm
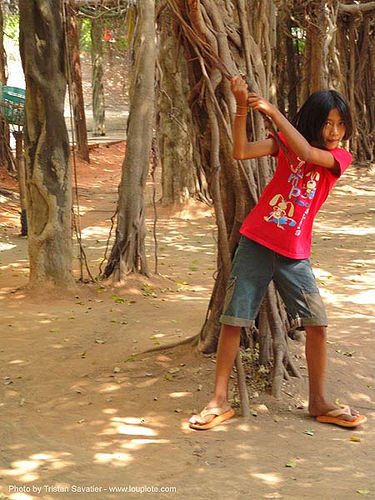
pixel 242 148
pixel 301 147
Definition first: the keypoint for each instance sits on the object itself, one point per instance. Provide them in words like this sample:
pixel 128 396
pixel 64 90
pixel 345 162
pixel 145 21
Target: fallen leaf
pixel 291 464
pixel 116 369
pixel 309 432
pixel 355 439
pixel 363 492
pixel 173 370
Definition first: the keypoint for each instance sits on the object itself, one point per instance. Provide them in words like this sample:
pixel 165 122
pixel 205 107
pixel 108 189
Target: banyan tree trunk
pixel 221 39
pixel 182 176
pixel 314 76
pixel 128 252
pixel 6 158
pixel 75 81
pixel 48 176
pixel 355 45
pixel 98 108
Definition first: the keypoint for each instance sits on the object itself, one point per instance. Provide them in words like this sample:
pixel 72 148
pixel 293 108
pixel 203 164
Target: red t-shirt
pixel 282 219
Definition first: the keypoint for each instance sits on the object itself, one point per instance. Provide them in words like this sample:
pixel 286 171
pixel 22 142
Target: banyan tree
pixel 285 49
pixel 218 40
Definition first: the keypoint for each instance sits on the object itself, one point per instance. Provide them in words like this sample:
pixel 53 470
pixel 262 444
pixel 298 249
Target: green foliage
pixel 299 38
pixel 85 35
pixel 118 41
pixel 11 26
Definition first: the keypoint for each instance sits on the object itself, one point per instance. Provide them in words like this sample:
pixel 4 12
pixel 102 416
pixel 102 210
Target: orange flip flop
pixel 220 416
pixel 333 417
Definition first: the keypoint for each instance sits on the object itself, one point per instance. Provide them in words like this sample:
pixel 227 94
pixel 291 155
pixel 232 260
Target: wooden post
pixel 21 179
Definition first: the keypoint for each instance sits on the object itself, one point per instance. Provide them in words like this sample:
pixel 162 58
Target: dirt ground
pixel 81 415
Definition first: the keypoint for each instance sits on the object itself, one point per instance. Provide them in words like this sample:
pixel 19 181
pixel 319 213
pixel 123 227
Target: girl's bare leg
pixel 316 356
pixel 228 345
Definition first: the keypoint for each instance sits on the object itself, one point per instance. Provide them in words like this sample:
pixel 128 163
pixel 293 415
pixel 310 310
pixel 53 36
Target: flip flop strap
pixel 344 410
pixel 212 411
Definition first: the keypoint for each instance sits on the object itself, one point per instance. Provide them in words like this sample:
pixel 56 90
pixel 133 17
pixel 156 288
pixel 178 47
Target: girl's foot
pixel 343 416
pixel 213 414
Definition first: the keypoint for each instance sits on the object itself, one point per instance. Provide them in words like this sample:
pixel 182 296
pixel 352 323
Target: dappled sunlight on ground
pixel 29 470
pixel 83 403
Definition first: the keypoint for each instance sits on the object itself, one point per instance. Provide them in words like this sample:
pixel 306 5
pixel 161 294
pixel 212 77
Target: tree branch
pixel 357 7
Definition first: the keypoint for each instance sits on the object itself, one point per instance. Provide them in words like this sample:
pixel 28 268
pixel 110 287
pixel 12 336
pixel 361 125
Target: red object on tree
pixel 107 34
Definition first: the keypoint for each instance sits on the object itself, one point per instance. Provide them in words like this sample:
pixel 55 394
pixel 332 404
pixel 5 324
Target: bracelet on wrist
pixel 241 114
pixel 242 107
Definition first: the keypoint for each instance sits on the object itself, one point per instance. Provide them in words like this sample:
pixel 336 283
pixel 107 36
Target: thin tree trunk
pixel 128 252
pixel 75 81
pixel 314 75
pixel 6 158
pixel 98 108
pixel 182 175
pixel 48 176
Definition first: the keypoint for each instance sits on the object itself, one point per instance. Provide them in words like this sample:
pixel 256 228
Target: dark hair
pixel 313 114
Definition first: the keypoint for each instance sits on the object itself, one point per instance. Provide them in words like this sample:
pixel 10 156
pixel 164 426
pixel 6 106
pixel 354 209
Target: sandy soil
pixel 81 415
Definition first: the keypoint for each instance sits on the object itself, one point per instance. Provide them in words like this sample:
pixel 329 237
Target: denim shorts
pixel 253 267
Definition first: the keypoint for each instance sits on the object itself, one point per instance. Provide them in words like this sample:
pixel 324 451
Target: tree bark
pixel 354 43
pixel 314 75
pixel 128 252
pixel 357 8
pixel 98 107
pixel 6 158
pixel 182 175
pixel 48 176
pixel 75 81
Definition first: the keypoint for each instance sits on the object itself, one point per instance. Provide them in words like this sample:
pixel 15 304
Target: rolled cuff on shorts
pixel 300 323
pixel 233 321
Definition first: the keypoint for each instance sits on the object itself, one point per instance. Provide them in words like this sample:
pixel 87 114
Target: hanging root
pixel 190 340
pixel 242 387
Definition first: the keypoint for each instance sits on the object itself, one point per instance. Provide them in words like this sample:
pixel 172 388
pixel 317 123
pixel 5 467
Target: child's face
pixel 333 129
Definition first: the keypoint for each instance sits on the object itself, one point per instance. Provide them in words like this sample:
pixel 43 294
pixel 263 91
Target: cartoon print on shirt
pixel 297 168
pixel 295 179
pixel 282 212
pixel 310 185
pixel 302 191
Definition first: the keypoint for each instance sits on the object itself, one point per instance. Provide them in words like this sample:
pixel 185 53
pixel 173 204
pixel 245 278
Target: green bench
pixel 12 104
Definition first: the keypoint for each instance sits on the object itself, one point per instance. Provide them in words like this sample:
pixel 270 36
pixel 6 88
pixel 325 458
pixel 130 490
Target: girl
pixel 276 240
